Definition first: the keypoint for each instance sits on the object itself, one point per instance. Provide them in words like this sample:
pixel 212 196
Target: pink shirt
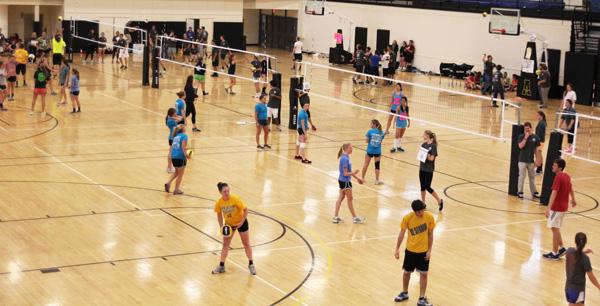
pixel 11 68
pixel 338 38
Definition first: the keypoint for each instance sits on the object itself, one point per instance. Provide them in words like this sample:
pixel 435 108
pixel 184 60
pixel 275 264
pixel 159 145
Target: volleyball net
pixel 584 136
pixel 216 59
pixel 429 105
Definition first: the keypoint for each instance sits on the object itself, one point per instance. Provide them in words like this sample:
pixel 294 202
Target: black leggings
pixel 190 109
pixel 115 51
pixel 89 52
pixel 571 135
pixel 425 178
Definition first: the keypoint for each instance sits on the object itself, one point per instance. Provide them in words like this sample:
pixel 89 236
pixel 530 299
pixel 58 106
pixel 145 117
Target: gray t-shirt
pixel 526 154
pixel 576 270
pixel 545 76
pixel 428 165
pixel 274 102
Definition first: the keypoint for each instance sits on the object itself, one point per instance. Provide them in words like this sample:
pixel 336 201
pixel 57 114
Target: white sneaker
pixel 378 182
pixel 30 114
pixel 359 220
pixel 337 220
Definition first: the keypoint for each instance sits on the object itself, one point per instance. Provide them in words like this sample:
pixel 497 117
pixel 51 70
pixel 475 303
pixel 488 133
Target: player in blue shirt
pixel 262 124
pixel 180 106
pixel 256 69
pixel 374 137
pixel 402 123
pixel 394 105
pixel 75 92
pixel 302 134
pixel 171 122
pixel 344 180
pixel 179 158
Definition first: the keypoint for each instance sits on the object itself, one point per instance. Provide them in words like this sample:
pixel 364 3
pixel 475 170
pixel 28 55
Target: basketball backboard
pixel 505 21
pixel 314 7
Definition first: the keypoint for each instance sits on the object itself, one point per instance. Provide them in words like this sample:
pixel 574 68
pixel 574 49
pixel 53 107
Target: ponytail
pixel 580 242
pixel 543 115
pixel 343 149
pixel 377 124
pixel 432 136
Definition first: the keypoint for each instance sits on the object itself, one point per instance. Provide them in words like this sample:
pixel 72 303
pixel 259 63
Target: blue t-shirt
pixel 375 60
pixel 74 83
pixel 375 138
pixel 176 148
pixel 171 124
pixel 345 163
pixel 302 115
pixel 396 100
pixel 261 109
pixel 179 105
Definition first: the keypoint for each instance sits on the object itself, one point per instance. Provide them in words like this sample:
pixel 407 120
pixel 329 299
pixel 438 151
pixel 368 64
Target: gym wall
pixel 440 36
pixel 20 18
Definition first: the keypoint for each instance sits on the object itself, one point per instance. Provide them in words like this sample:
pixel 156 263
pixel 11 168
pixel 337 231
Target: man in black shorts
pixel 419 224
pixel 359 64
pixel 223 52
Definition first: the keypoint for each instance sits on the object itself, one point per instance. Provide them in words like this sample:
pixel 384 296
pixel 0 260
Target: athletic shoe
pixel 536 195
pixel 494 105
pixel 252 269
pixel 337 220
pixel 423 302
pixel 231 92
pixel 226 89
pixel 167 187
pixel 561 252
pixel 403 296
pixel 297 157
pixel 378 182
pixel 393 150
pixel 551 256
pixel 259 147
pixel 400 149
pixel 177 191
pixel 520 195
pixel 266 146
pixel 196 130
pixel 79 110
pixel 359 220
pixel 218 270
pixel 306 161
pixel 205 93
pixel 278 129
pixel 354 81
pixel 441 205
pixel 30 114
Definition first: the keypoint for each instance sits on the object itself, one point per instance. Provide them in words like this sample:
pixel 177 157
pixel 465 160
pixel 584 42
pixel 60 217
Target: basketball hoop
pixel 498 31
pixel 314 7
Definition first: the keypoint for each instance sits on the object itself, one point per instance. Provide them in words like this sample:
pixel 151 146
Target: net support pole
pixel 157 45
pixel 575 128
pixel 295 84
pixel 552 153
pixel 513 173
pixel 277 80
pixel 146 60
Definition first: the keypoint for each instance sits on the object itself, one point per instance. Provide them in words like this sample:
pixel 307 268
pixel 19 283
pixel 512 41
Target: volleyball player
pixel 214 55
pixel 304 98
pixel 427 166
pixel 256 70
pixel 180 106
pixel 63 80
pixel 558 207
pixel 223 51
pixel 297 52
pixel 231 72
pixel 40 79
pixel 21 57
pixel 232 211
pixel 3 75
pixel 264 68
pixel 419 224
pixel 578 265
pixel 11 76
pixel 74 86
pixel 115 47
pixel 101 46
pixel 540 132
pixel 394 104
pixel 345 182
pixel 374 138
pixel 123 51
pixel 402 123
pixel 302 134
pixel 179 158
pixel 171 122
pixel 190 96
pixel 200 75
pixel 274 105
pixel 261 115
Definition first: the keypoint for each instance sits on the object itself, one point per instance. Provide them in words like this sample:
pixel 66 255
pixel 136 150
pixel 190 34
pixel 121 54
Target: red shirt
pixel 562 186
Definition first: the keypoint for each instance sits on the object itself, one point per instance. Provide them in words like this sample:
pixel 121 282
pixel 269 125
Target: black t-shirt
pixel 115 38
pixel 40 78
pixel 274 98
pixel 488 68
pixel 102 41
pixel 497 78
pixel 360 58
pixel 256 71
pixel 540 131
pixel 224 44
pixel 122 42
pixel 428 165
pixel 526 154
pixel 200 68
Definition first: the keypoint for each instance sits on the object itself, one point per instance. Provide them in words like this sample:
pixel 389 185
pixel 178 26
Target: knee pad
pixel 377 165
pixel 302 145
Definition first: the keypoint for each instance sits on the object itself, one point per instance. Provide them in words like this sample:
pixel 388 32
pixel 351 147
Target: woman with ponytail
pixel 179 157
pixel 374 136
pixel 577 266
pixel 345 183
pixel 427 167
pixel 402 122
pixel 540 132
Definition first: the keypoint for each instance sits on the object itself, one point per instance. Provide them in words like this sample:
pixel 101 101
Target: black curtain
pixel 360 37
pixel 580 70
pixel 383 39
pixel 233 32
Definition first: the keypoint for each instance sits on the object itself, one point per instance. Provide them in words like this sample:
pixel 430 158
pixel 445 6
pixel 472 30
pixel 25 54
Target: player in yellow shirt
pixel 419 224
pixel 21 56
pixel 233 212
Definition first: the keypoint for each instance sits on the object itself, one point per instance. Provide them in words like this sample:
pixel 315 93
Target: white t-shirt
pixel 298 47
pixel 570 95
pixel 385 61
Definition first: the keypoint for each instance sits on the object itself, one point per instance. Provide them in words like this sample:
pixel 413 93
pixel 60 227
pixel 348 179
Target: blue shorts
pixel 575 296
pixel 401 124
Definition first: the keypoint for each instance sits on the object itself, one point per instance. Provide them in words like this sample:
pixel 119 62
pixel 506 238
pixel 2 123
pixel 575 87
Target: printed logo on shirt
pixel 418 230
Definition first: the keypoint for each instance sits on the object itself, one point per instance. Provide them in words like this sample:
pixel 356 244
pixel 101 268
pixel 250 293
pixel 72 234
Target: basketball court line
pixel 88 178
pixel 162 115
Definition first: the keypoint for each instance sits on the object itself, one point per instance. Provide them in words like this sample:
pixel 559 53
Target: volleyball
pixel 190 152
pixel 60 18
pixel 484 14
pixel 538 72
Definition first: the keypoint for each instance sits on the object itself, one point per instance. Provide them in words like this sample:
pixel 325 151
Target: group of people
pixel 15 59
pixel 381 63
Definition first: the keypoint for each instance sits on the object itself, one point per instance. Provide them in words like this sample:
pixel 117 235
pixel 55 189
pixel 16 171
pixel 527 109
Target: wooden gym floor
pixel 84 219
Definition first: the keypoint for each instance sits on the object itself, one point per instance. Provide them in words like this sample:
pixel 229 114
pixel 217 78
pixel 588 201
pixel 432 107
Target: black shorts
pixel 392 111
pixel 223 55
pixel 300 131
pixel 298 57
pixel 215 62
pixel 373 155
pixel 12 79
pixel 75 93
pixel 244 228
pixel 415 260
pixel 425 179
pixel 170 142
pixel 360 68
pixel 263 122
pixel 56 59
pixel 178 163
pixel 21 69
pixel 345 185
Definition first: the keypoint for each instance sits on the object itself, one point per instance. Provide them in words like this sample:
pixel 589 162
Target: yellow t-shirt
pixel 21 56
pixel 58 47
pixel 232 209
pixel 418 231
